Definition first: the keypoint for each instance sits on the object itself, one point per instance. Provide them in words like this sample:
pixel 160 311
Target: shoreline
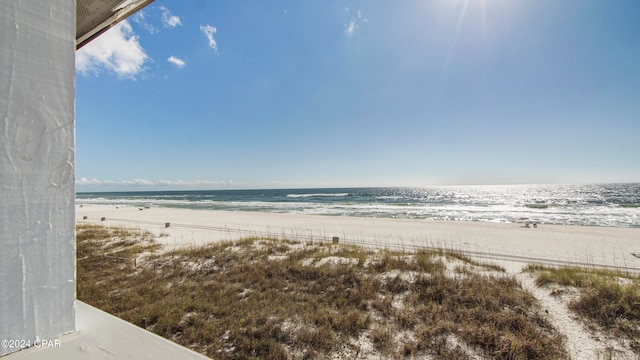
pixel 511 245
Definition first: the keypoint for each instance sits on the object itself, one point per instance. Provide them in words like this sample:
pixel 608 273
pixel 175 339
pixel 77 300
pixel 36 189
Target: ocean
pixel 615 205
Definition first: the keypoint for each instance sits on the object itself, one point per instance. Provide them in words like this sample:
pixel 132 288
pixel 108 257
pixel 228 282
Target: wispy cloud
pixel 195 183
pixel 146 19
pixel 141 19
pixel 354 22
pixel 169 20
pixel 176 61
pixel 83 181
pixel 351 27
pixel 93 182
pixel 117 50
pixel 208 32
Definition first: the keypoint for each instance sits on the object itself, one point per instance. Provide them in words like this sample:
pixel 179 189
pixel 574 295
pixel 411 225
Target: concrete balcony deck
pixel 100 335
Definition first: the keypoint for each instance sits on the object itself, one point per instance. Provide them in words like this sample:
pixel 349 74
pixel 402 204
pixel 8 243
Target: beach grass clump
pixel 469 261
pixel 118 241
pixel 493 314
pixel 261 298
pixel 580 277
pixel 610 298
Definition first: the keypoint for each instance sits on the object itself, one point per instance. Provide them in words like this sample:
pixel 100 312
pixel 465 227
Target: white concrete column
pixel 37 244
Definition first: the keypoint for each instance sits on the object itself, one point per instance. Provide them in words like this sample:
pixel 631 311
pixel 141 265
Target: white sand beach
pixel 509 245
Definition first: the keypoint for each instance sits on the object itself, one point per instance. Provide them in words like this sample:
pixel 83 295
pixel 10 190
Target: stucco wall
pixel 37 247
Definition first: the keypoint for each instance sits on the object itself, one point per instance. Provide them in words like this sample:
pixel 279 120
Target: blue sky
pixel 200 94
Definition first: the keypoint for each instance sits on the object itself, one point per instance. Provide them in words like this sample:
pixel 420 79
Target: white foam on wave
pixel 317 195
pixel 575 205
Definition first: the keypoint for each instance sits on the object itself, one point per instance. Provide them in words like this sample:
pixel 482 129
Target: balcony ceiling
pixel 93 17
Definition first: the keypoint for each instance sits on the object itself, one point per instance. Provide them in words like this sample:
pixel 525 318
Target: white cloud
pixel 208 32
pixel 84 181
pixel 138 182
pixel 193 183
pixel 351 27
pixel 93 182
pixel 140 19
pixel 169 20
pixel 354 23
pixel 176 61
pixel 117 50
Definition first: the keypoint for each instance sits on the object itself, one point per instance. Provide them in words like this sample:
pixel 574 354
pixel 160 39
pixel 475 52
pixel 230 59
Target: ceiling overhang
pixel 93 17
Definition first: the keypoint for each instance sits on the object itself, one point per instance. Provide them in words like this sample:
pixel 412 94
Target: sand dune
pixel 510 245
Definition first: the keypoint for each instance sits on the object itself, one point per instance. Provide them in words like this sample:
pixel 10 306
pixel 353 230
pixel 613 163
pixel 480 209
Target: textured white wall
pixel 37 246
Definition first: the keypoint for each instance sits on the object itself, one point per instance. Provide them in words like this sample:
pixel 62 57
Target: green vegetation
pixel 262 298
pixel 609 298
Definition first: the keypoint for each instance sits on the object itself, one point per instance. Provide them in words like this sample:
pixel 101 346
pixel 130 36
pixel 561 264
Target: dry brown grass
pixel 261 298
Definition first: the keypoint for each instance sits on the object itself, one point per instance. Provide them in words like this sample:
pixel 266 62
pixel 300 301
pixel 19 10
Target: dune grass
pixel 263 298
pixel 610 298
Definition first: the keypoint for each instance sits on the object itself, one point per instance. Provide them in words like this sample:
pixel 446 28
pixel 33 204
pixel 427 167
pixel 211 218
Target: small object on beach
pixel 527 223
pixel 336 239
pixel 140 209
pixel 85 217
pixel 166 225
pixel 636 255
pixel 103 218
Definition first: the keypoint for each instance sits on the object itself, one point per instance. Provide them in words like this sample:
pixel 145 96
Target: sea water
pixel 616 205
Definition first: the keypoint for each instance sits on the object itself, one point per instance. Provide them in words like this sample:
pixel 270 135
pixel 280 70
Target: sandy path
pixel 581 343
